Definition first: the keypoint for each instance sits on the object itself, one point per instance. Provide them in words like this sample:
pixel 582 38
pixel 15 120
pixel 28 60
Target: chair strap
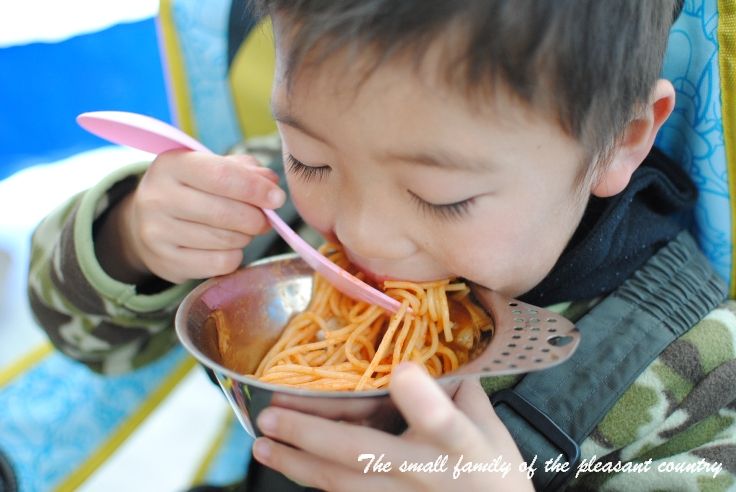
pixel 620 337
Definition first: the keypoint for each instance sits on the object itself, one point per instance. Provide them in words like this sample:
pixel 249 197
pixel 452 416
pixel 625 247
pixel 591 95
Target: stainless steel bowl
pixel 259 300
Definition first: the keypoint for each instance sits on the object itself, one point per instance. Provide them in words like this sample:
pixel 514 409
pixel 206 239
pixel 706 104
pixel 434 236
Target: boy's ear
pixel 637 142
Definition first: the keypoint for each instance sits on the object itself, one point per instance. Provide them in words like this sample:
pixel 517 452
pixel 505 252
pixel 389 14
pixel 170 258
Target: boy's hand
pixel 323 453
pixel 190 217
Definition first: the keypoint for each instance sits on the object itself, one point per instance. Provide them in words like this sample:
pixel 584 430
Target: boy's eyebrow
pixel 443 159
pixel 284 117
pixel 437 158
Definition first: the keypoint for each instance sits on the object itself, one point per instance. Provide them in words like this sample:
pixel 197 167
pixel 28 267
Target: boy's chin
pixel 375 278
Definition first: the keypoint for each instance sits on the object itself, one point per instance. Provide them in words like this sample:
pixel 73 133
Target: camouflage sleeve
pixel 675 427
pixel 110 326
pixel 88 315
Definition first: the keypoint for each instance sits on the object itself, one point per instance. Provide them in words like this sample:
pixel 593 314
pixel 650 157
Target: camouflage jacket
pixel 680 412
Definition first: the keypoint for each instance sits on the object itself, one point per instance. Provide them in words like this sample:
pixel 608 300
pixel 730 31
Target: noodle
pixel 340 344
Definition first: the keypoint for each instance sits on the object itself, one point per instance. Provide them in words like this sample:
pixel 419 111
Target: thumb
pixel 472 400
pixel 427 409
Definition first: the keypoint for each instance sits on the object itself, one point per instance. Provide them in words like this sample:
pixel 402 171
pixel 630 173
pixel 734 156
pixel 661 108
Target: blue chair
pixel 701 134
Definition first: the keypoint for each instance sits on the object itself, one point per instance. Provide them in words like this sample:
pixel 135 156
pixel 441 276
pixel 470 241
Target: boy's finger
pixel 229 179
pixel 428 410
pixel 180 264
pixel 194 235
pixel 472 400
pixel 253 164
pixel 216 211
pixel 313 471
pixel 267 173
pixel 334 441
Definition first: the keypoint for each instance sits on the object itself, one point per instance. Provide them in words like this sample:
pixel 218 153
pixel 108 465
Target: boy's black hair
pixel 589 63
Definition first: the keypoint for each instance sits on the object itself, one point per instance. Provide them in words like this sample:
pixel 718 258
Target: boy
pixel 499 141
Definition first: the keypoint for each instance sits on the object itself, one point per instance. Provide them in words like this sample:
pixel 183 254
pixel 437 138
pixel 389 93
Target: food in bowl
pixel 339 344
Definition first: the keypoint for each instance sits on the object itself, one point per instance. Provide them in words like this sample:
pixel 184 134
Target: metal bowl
pixel 258 301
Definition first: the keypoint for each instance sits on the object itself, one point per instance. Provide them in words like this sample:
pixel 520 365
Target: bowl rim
pixel 504 332
pixel 184 338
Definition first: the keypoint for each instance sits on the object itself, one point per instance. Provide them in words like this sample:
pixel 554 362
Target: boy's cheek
pixel 314 211
pixel 509 273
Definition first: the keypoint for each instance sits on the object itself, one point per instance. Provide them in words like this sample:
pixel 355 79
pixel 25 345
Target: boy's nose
pixel 373 235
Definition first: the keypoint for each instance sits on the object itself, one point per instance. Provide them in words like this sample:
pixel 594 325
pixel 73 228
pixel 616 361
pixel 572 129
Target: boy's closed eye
pixel 454 210
pixel 304 172
pixel 446 211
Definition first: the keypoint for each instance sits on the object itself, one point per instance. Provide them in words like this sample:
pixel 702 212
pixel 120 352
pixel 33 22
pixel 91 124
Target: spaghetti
pixel 341 344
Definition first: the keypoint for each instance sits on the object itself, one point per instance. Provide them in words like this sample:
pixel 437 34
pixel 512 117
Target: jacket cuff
pixel 95 202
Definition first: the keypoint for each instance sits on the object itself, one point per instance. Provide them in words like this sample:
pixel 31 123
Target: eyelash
pixel 446 211
pixel 304 172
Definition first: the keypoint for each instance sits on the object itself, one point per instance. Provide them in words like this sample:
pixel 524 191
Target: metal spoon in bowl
pixel 152 135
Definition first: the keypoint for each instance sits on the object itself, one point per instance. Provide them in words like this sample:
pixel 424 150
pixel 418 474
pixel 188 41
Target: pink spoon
pixel 152 135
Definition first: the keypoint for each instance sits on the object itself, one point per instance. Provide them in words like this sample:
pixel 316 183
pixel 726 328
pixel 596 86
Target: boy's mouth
pixel 406 270
pixel 370 275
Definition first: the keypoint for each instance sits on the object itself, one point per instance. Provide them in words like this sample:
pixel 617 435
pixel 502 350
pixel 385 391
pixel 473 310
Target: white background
pixel 27 21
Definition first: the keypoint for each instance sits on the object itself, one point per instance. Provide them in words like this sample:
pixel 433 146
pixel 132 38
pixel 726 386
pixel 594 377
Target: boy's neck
pixel 617 235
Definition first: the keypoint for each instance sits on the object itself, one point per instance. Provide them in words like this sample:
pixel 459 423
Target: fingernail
pixel 276 197
pixel 262 449
pixel 267 422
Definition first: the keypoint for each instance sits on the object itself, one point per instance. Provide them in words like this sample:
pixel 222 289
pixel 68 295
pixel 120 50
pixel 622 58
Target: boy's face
pixel 417 183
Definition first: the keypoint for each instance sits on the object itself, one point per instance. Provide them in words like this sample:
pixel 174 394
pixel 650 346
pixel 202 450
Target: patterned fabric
pixel 195 49
pixel 201 78
pixel 88 315
pixel 679 411
pixel 727 66
pixel 60 421
pixel 694 134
